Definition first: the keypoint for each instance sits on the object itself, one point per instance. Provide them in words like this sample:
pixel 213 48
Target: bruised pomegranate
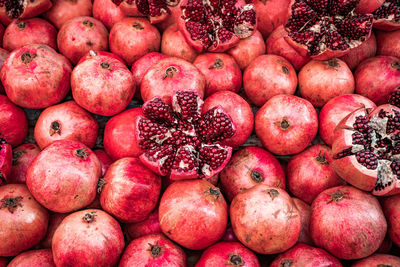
pixel 305 216
pixel 151 225
pixel 40 257
pixel 55 220
pixel 193 213
pixel 105 160
pixel 379 260
pixel 24 220
pixel 392 213
pixel 14 9
pixel 218 25
pixel 173 44
pixel 249 167
pixel 5 160
pixel 387 16
pixel 180 141
pixel 265 219
pixel 64 10
pixel 346 207
pixel 88 238
pixel 388 43
pixel 107 12
pixel 22 157
pixel 66 121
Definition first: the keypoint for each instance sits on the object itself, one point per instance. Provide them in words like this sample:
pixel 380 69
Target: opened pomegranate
pixel 55 220
pixel 378 260
pixel 107 12
pixel 249 167
pixel 64 10
pixel 305 216
pixel 218 25
pixel 387 16
pixel 388 43
pixel 40 257
pixel 392 213
pixel 151 225
pixel 22 157
pixel 12 9
pixel 326 29
pixel 173 44
pixel 5 160
pixel 180 141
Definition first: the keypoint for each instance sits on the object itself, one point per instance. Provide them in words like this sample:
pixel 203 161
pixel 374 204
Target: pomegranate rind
pixel 5 161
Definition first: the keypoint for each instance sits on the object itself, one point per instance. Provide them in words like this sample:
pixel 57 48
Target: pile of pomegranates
pixel 199 133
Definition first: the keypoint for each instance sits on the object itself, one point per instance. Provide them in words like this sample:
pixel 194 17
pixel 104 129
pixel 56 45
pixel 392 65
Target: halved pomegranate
pixel 14 9
pixel 5 160
pixel 180 142
pixel 387 16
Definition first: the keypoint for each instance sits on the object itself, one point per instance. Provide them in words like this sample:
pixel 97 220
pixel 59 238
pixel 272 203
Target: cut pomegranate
pixel 182 143
pixel 14 9
pixel 387 16
pixel 216 25
pixel 326 29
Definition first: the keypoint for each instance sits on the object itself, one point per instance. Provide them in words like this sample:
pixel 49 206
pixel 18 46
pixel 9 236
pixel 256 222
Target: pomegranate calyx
pixel 11 203
pixel 337 196
pixel 156 250
pixel 89 217
pixel 235 260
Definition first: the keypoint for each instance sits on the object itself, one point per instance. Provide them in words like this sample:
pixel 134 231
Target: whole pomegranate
pixel 6 157
pixel 3 56
pixel 29 31
pixel 102 84
pixel 36 76
pixel 378 260
pixel 24 220
pixel 228 253
pixel 107 12
pixel 305 216
pixel 358 54
pixel 10 10
pixel 229 235
pixel 392 213
pixel 105 160
pixel 173 44
pixel 40 257
pixel 153 250
pixel 320 81
pixel 88 238
pixel 193 213
pixel 265 219
pixel 64 10
pixel 249 167
pixel 151 225
pixel 64 176
pixel 386 17
pixel 66 121
pixel 346 207
pixel 388 43
pixel 268 76
pixel 170 75
pixel 286 124
pixel 55 220
pixel 22 157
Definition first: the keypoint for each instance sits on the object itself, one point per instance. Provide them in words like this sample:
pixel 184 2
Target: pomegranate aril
pixel 14 8
pixel 158 111
pixel 395 98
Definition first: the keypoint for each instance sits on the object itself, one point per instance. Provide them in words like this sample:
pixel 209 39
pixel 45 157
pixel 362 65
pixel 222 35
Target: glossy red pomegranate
pixel 346 207
pixel 64 10
pixel 19 210
pixel 193 213
pixel 151 225
pixel 89 238
pixel 387 16
pixel 22 157
pixel 392 213
pixel 10 10
pixel 378 260
pixel 358 54
pixel 173 44
pixel 249 167
pixel 39 257
pixel 55 220
pixel 107 12
pixel 388 43
pixel 305 216
pixel 6 157
pixel 105 160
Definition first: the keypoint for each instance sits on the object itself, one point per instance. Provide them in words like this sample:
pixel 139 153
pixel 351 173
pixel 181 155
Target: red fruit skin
pixel 286 124
pixel 107 12
pixel 131 10
pixel 305 255
pixel 63 180
pixel 13 122
pixel 105 160
pixel 378 260
pixel 221 253
pixel 32 9
pixel 248 49
pixel 388 43
pixel 336 109
pixel 64 10
pixel 29 216
pixel 66 121
pixel 5 160
pixel 29 31
pixel 77 242
pixel 170 75
pixel 40 257
pixel 1 34
pixel 193 213
pixel 354 220
pixel 149 226
pixel 249 167
pixel 3 262
pixel 310 172
pixel 265 219
pixel 173 44
pixel 3 55
pixel 377 77
pixel 175 13
pixel 133 37
pixel 119 142
pixel 79 35
pixel 386 245
pixel 392 213
pixel 368 6
pixel 102 84
pixel 239 111
pixel 229 235
pixel 305 216
pixel 55 220
pixel 139 253
pixel 268 76
pixel 320 81
pixel 23 156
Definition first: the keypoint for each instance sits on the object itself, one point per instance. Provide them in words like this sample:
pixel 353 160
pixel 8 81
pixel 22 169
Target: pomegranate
pixel 151 225
pixel 3 262
pixel 22 157
pixel 66 121
pixel 102 84
pixel 342 28
pixel 265 219
pixel 55 220
pixel 193 213
pixel 310 172
pixel 1 37
pixel 180 141
pixel 64 10
pixel 153 250
pixel 3 55
pixel 304 255
pixel 386 245
pixel 119 142
pixel 229 235
pixel 64 176
pixel 22 9
pixel 335 110
pixel 320 81
pixel 105 160
pixel 13 122
pixel 276 44
pixel 268 76
pixel 133 37
pixel 305 216
pixel 378 260
pixel 88 238
pixel 286 124
pixel 249 167
pixel 174 14
pixel 228 253
pixel 40 257
pixel 173 44
pixel 388 43
pixel 358 54
pixel 387 16
pixel 5 160
pixel 216 26
pixel 170 75
pixel 368 6
pixel 79 35
pixel 346 207
pixel 391 209
pixel 107 12
pixel 29 31
pixel 24 220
